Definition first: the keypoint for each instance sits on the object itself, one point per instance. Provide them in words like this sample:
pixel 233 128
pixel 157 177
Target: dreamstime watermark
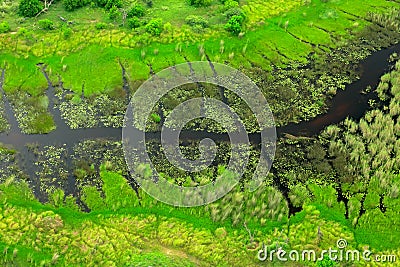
pixel 339 254
pixel 148 96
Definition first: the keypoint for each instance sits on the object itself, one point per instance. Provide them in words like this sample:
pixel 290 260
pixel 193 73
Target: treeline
pixel 131 15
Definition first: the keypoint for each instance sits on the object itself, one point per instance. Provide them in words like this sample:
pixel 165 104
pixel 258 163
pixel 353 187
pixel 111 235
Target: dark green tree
pixel 154 27
pixel 71 5
pixel 4 27
pixel 46 24
pixel 113 3
pixel 29 8
pixel 136 11
pixel 134 23
pixel 113 13
pixel 199 3
pixel 234 25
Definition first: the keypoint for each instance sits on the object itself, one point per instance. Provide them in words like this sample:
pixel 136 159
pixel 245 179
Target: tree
pixel 154 27
pixel 194 20
pixel 108 4
pixel 199 3
pixel 113 3
pixel 4 27
pixel 230 4
pixel 136 11
pixel 234 12
pixel 101 3
pixel 29 8
pixel 234 25
pixel 113 13
pixel 46 24
pixel 133 23
pixel 71 5
pixel 47 4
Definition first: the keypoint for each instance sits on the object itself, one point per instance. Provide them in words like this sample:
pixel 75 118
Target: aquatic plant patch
pixel 52 171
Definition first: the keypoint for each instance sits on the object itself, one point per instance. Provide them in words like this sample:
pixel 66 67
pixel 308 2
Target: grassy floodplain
pixel 79 57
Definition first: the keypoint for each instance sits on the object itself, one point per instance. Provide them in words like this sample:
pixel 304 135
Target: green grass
pixel 23 74
pixel 258 10
pixel 167 10
pixel 263 46
pixel 88 53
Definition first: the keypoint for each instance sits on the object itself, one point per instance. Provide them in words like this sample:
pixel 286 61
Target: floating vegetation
pixel 4 125
pixel 32 112
pixel 90 154
pixel 78 113
pixel 9 164
pixel 52 168
pixel 106 110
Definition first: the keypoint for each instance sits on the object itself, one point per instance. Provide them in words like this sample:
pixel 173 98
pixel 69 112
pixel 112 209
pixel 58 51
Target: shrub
pixel 136 11
pixel 230 4
pixel 4 27
pixel 108 4
pixel 155 117
pixel 71 5
pixel 154 27
pixel 200 3
pixel 26 35
pixel 101 25
pixel 234 25
pixel 134 23
pixel 197 29
pixel 234 12
pixel 46 24
pixel 113 13
pixel 101 3
pixel 167 27
pixel 23 32
pixel 29 8
pixel 113 3
pixel 67 32
pixel 194 20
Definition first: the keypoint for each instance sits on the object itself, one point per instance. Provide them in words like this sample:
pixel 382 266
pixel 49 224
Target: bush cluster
pixel 113 13
pixel 234 12
pixel 136 11
pixel 71 5
pixel 46 24
pixel 234 25
pixel 194 20
pixel 154 27
pixel 199 3
pixel 108 4
pixel 230 4
pixel 134 23
pixel 101 26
